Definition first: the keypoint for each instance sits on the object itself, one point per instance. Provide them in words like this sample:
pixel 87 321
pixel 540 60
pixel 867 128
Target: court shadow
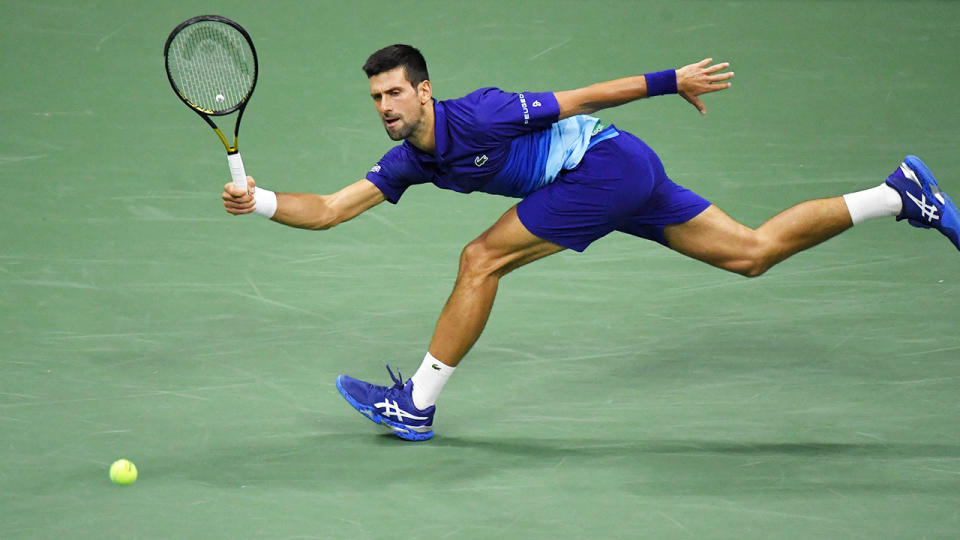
pixel 365 462
pixel 619 448
pixel 725 468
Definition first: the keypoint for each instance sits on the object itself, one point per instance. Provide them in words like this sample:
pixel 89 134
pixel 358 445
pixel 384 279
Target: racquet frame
pixel 207 113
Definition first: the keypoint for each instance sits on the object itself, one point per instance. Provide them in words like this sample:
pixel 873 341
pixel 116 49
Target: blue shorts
pixel 619 185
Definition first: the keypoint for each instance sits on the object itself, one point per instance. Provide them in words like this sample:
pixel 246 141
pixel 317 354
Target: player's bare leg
pixel 910 193
pixel 505 246
pixel 715 238
pixel 408 408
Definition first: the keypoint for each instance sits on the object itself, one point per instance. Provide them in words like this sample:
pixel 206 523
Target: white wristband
pixel 265 202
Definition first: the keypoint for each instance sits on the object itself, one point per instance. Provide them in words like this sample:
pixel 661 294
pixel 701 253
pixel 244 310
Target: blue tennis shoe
pixel 924 205
pixel 390 406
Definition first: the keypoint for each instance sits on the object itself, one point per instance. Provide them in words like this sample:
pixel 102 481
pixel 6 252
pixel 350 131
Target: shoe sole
pixel 398 429
pixel 950 220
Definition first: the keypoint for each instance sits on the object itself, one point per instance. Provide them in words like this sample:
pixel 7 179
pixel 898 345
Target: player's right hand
pixel 237 201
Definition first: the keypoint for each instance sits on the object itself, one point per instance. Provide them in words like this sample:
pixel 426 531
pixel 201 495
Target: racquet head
pixel 211 64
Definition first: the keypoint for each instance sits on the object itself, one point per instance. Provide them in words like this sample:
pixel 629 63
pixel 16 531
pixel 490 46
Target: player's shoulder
pixel 403 149
pixel 399 156
pixel 486 91
pixel 476 109
pixel 399 163
pixel 475 98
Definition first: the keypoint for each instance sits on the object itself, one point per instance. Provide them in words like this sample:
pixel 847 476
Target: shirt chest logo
pixel 480 160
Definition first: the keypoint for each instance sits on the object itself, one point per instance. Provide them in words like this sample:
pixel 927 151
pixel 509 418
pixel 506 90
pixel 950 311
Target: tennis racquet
pixel 212 66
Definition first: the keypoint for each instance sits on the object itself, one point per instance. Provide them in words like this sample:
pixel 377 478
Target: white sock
pixel 428 381
pixel 881 201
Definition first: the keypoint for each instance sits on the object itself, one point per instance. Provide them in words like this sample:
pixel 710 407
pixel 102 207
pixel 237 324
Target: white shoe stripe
pixel 908 172
pixel 927 211
pixel 392 409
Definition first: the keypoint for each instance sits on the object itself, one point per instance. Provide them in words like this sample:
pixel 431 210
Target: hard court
pixel 626 392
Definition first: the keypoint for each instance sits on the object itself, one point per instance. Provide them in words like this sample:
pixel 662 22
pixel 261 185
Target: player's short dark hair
pixel 399 55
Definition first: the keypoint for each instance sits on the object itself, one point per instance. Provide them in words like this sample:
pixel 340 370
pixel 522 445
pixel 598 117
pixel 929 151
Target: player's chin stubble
pixel 399 133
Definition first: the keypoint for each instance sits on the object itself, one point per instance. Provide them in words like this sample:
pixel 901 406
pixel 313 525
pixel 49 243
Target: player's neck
pixel 424 138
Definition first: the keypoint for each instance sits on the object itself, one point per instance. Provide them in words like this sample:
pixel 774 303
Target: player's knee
pixel 477 261
pixel 472 259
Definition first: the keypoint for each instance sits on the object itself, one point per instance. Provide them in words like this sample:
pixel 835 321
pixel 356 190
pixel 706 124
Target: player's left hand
pixel 701 78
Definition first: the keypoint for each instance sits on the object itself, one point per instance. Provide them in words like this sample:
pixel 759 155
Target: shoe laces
pixel 397 379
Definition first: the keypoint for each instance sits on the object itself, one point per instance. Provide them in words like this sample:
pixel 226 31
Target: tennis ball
pixel 123 472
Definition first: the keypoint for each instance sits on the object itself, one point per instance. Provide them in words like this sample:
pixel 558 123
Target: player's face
pixel 399 104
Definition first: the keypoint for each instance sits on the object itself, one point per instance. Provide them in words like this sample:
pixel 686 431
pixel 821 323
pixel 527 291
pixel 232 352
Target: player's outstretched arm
pixel 308 210
pixel 692 80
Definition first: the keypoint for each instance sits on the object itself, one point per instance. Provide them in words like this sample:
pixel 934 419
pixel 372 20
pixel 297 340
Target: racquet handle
pixel 237 171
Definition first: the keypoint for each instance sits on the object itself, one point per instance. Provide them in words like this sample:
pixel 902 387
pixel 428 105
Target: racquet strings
pixel 212 66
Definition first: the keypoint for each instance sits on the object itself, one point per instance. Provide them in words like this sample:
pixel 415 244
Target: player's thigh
pixel 506 245
pixel 714 238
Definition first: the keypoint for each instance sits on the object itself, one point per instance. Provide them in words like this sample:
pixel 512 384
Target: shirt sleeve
pixel 510 114
pixel 394 173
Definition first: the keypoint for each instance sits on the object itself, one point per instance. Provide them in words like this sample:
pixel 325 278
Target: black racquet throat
pixel 212 66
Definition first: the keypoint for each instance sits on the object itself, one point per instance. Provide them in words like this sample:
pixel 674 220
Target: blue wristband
pixel 661 82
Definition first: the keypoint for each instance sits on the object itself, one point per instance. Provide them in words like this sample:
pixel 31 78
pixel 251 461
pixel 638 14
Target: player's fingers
pixel 241 198
pixel 232 199
pixel 695 101
pixel 704 62
pixel 720 76
pixel 238 208
pixel 231 189
pixel 716 67
pixel 238 202
pixel 716 87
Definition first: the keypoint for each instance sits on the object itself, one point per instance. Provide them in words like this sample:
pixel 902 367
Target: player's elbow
pixel 319 226
pixel 750 267
pixel 323 223
pixel 754 271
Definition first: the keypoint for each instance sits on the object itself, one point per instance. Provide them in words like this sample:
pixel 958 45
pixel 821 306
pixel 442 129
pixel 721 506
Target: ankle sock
pixel 881 201
pixel 429 380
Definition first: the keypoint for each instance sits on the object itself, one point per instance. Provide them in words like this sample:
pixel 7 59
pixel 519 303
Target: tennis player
pixel 577 180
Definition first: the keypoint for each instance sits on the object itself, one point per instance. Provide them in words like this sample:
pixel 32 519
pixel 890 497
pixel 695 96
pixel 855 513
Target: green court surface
pixel 626 392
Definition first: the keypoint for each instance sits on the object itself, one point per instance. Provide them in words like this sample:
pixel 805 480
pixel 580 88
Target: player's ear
pixel 425 91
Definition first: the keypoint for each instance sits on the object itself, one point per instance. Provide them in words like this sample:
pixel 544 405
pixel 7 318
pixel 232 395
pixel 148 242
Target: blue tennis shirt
pixel 492 141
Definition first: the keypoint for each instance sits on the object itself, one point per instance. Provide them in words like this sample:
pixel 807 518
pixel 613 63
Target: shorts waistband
pixel 602 133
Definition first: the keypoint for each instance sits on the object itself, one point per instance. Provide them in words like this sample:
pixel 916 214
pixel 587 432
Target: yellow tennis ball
pixel 123 472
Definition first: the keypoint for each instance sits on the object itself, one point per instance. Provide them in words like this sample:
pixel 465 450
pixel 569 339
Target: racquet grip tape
pixel 237 171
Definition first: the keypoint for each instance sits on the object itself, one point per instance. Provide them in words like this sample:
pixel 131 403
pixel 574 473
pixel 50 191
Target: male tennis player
pixel 577 179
